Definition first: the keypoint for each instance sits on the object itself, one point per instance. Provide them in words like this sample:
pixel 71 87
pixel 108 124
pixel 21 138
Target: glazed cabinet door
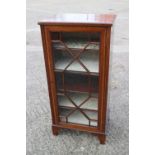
pixel 76 69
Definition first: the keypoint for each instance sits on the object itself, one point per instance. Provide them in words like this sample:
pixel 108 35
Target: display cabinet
pixel 76 53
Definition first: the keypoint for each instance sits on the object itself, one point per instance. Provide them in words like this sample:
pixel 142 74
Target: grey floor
pixel 40 141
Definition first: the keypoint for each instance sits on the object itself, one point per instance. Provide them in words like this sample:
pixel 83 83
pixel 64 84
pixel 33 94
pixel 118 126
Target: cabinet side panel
pixel 108 38
pixel 103 78
pixel 49 74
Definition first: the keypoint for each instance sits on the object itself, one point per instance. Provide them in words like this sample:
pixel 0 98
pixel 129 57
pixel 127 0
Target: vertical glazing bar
pixel 88 36
pixel 63 82
pixel 66 117
pixel 89 84
pixel 60 36
pixel 89 122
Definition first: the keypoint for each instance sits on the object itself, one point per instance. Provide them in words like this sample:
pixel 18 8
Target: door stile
pixel 51 79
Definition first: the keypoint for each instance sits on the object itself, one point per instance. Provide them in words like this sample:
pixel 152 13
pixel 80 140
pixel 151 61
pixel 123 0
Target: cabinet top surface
pixel 91 19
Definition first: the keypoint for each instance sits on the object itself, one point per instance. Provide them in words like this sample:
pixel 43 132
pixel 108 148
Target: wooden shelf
pixel 76 72
pixel 75 44
pixel 61 92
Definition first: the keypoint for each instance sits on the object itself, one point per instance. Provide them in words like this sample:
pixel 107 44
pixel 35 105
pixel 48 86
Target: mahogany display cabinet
pixel 76 53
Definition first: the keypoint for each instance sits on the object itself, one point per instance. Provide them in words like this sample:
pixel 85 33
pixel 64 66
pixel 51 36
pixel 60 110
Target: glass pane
pixel 90 59
pixel 76 82
pixel 76 66
pixel 78 98
pixel 66 115
pixel 76 51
